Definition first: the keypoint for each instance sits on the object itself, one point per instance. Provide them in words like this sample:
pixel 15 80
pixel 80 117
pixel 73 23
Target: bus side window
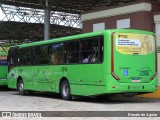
pixel 57 53
pixel 23 56
pixel 71 52
pixel 101 48
pixel 15 57
pixel 12 57
pixel 43 54
pixel 34 56
pixel 9 58
pixel 89 50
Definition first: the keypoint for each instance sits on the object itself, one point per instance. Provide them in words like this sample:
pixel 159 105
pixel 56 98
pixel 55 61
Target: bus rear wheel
pixel 21 90
pixel 65 90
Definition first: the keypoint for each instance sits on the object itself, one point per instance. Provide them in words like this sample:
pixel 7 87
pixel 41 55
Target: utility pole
pixel 47 22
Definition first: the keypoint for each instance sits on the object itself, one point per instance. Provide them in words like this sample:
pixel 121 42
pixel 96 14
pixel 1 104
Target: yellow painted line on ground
pixel 152 95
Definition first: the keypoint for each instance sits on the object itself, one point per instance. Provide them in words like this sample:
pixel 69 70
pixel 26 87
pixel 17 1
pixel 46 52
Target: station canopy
pixel 23 20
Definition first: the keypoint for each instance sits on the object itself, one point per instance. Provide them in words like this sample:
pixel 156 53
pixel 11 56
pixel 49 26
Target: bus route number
pixel 144 73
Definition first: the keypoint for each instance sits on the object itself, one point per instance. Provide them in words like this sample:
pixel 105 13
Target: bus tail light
pixel 115 76
pixel 155 74
pixel 112 58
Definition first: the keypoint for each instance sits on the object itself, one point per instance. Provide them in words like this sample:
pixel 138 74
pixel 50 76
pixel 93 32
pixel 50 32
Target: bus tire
pixel 20 86
pixel 65 90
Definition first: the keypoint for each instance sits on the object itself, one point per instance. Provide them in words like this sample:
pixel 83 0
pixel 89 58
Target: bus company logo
pixel 122 36
pixel 6 114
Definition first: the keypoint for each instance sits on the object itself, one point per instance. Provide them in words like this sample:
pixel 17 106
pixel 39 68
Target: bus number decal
pixel 144 73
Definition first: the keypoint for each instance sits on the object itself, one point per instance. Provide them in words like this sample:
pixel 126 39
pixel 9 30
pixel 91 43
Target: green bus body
pixel 3 68
pixel 124 66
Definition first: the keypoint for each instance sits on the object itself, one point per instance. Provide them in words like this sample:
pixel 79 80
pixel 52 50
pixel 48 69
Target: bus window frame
pixel 99 38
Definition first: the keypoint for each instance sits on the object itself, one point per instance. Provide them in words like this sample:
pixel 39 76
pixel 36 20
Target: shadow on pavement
pixel 115 99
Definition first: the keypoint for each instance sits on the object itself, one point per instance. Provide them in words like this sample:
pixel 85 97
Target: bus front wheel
pixel 65 90
pixel 21 87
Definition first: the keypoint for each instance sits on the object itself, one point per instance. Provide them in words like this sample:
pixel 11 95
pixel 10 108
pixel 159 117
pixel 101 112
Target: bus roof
pixel 79 36
pixel 60 39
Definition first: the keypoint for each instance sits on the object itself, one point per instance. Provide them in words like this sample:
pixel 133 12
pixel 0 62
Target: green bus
pixel 3 68
pixel 90 64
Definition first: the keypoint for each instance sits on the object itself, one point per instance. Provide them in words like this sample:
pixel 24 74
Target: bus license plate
pixel 135 81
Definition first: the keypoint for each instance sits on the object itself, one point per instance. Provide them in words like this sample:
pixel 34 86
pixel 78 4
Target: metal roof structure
pixel 68 6
pixel 23 20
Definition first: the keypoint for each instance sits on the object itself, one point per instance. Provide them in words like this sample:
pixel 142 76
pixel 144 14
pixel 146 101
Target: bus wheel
pixel 65 90
pixel 21 87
